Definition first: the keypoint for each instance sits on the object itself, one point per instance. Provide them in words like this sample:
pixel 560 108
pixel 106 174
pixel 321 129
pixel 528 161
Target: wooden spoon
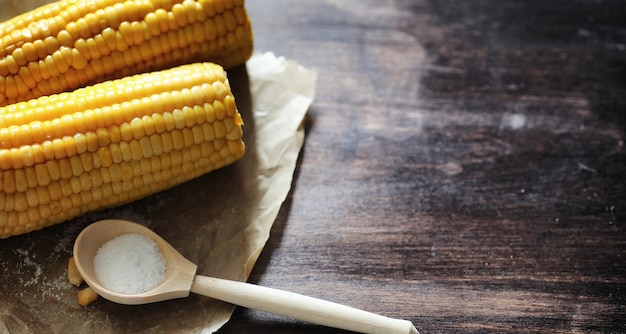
pixel 180 279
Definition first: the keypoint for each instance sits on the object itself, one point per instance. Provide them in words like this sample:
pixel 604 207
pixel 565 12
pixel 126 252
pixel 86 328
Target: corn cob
pixel 114 142
pixel 72 43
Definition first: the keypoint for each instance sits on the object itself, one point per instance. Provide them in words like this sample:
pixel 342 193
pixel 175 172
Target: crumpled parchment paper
pixel 220 221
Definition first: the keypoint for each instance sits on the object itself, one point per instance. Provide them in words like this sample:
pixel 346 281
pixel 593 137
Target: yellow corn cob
pixel 114 142
pixel 72 43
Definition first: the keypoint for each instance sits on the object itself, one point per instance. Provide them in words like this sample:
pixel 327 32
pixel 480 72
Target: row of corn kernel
pixel 77 18
pixel 119 91
pixel 167 93
pixel 108 166
pixel 203 121
pixel 132 113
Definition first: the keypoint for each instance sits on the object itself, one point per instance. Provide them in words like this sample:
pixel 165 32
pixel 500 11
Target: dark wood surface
pixel 464 165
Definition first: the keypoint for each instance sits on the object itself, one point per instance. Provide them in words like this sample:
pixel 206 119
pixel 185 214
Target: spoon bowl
pixel 180 279
pixel 179 272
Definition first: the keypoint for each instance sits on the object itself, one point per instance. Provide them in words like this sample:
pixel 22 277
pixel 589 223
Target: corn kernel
pixel 110 143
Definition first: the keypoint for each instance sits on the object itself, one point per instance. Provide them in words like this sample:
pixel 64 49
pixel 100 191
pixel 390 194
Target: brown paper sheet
pixel 220 221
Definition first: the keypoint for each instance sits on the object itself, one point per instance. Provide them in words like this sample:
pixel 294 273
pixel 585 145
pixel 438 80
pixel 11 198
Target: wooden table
pixel 464 165
pixel 464 168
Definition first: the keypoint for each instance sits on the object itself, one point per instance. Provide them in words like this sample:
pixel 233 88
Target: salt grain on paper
pixel 130 264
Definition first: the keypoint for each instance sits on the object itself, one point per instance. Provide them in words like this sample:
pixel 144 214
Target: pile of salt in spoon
pixel 130 264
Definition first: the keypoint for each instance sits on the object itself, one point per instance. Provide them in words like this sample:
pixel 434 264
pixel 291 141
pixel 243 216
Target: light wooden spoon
pixel 180 279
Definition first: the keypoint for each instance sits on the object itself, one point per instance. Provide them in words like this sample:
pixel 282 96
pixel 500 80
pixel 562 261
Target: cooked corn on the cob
pixel 114 142
pixel 72 43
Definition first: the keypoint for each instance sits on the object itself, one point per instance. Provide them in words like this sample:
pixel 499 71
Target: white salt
pixel 130 264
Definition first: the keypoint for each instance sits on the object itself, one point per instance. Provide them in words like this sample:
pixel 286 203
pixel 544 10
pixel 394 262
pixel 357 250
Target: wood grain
pixel 464 166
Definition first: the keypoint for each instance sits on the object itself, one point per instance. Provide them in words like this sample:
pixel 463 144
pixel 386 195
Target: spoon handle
pixel 299 307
